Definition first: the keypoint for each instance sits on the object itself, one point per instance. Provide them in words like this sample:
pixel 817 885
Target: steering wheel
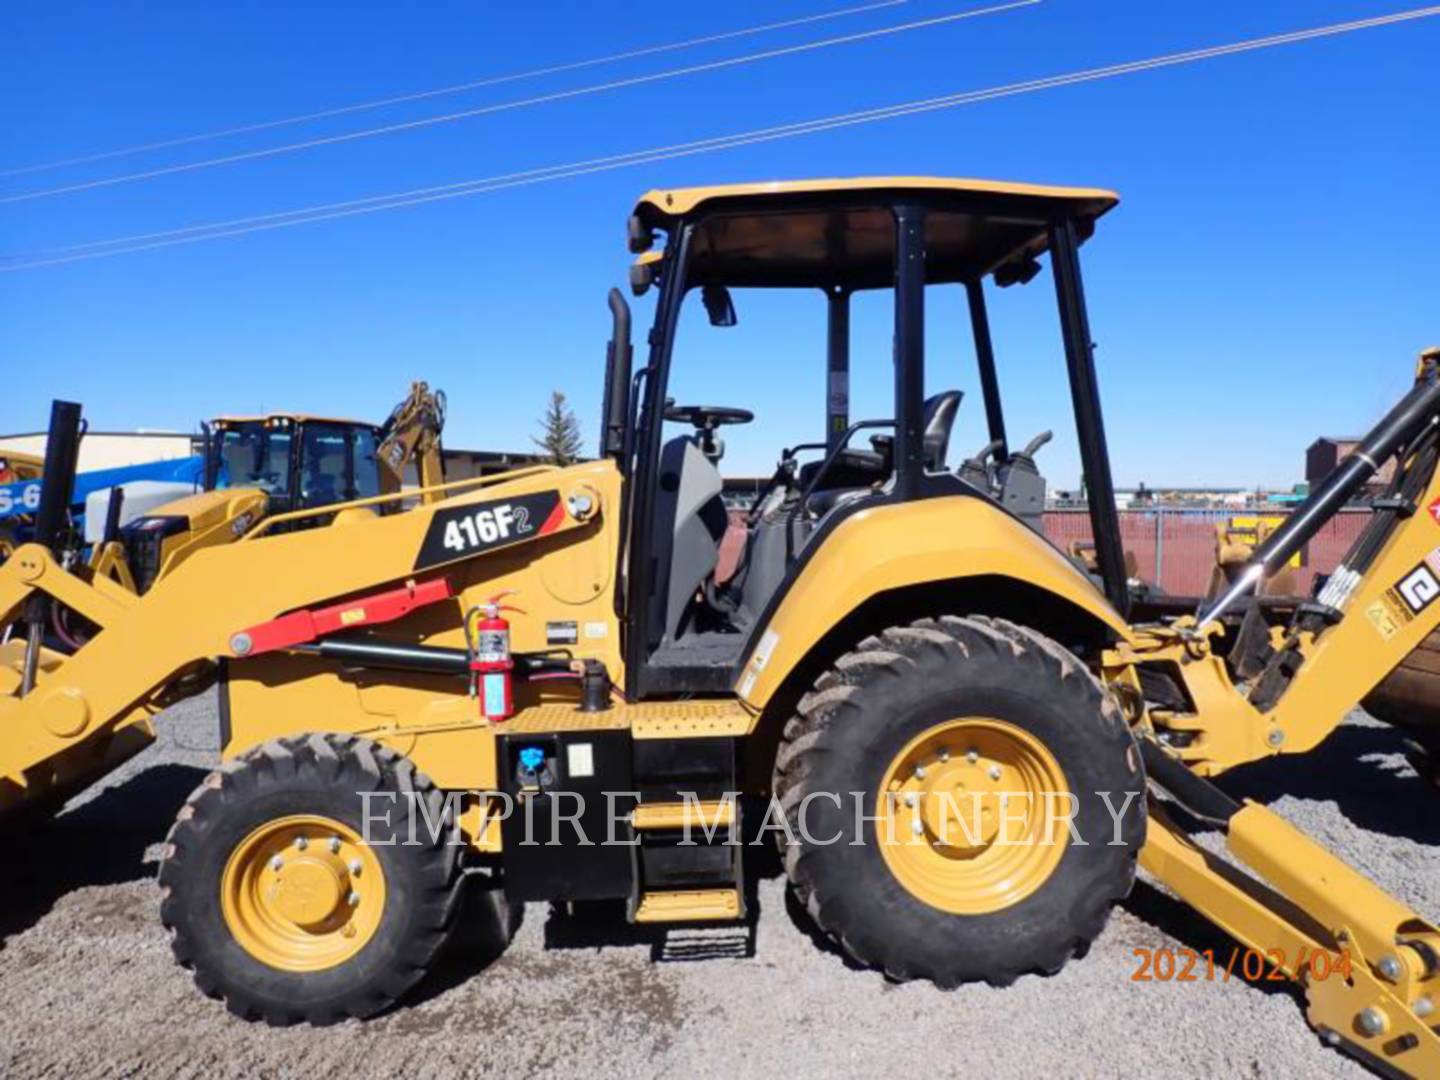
pixel 707 417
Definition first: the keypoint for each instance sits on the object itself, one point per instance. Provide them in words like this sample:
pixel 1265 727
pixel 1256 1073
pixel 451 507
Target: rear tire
pixel 1009 684
pixel 356 924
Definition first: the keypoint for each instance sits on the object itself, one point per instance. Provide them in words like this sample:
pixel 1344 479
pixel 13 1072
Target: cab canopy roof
pixel 281 419
pixel 841 232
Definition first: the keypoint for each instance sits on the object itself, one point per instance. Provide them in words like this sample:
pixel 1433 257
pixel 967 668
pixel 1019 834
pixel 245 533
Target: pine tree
pixel 559 440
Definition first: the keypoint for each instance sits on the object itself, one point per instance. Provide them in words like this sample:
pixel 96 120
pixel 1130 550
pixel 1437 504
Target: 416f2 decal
pixel 465 530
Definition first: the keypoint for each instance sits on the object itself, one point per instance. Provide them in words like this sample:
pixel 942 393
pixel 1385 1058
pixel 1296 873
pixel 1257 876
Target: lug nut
pixel 994 772
pixel 301 843
pixel 944 754
pixel 917 828
pixel 1372 1021
pixel 1424 1006
pixel 353 899
pixel 334 845
pixel 1389 967
pixel 276 863
pixel 919 772
pixel 911 799
pixel 355 867
pixel 972 756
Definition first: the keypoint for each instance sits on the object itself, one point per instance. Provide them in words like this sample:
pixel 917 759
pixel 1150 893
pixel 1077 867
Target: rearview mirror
pixel 718 305
pixel 642 276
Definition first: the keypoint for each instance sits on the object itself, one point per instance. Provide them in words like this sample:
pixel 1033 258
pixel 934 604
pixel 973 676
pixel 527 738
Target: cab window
pixel 252 455
pixel 367 466
pixel 325 475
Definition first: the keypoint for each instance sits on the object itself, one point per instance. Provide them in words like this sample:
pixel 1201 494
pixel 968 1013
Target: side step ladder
pixel 688 864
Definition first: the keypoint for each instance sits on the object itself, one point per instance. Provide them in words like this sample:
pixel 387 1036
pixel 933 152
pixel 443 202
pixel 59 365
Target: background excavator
pixel 259 466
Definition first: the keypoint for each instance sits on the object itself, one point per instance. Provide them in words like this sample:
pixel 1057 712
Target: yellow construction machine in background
pixel 259 466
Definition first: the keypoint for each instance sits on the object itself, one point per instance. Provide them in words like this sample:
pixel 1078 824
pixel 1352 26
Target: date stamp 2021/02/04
pixel 1253 965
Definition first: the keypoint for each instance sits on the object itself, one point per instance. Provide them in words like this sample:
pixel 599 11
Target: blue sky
pixel 1268 277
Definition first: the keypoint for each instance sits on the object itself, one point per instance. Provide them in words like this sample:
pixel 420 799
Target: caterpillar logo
pixel 465 530
pixel 1418 588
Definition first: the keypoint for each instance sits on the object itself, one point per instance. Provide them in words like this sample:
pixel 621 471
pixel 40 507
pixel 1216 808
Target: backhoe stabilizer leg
pixel 1370 966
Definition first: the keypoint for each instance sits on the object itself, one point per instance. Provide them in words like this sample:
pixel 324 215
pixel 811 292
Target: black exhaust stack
pixel 57 489
pixel 615 410
pixel 57 483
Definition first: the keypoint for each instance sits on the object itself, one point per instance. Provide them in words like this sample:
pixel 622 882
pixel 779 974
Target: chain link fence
pixel 1174 547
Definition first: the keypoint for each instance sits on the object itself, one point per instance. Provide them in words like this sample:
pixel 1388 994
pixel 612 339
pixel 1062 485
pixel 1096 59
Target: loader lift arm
pixel 64 717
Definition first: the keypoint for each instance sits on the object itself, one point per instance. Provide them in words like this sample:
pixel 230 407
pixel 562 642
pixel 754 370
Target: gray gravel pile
pixel 90 988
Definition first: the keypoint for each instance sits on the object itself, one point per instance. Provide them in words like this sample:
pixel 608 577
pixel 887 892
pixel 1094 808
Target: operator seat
pixel 938 420
pixel 689 523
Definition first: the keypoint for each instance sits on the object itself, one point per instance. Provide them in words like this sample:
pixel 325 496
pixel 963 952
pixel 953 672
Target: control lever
pixel 976 471
pixel 1022 489
pixel 1025 459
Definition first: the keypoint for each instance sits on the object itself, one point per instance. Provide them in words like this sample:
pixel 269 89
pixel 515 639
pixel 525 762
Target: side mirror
pixel 1017 272
pixel 639 237
pixel 718 305
pixel 642 276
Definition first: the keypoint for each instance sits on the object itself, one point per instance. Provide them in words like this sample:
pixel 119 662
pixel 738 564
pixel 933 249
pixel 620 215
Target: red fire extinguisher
pixel 491 668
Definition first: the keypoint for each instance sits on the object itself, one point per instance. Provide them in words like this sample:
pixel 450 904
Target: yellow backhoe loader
pixel 966 744
pixel 261 465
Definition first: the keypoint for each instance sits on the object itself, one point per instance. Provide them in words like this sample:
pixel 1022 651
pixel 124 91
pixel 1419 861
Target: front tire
pixel 288 903
pixel 967 713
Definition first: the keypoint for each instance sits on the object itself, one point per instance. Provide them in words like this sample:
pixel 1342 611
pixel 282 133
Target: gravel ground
pixel 91 989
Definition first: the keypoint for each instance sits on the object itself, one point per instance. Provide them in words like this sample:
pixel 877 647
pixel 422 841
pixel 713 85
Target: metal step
pixel 708 816
pixel 691 905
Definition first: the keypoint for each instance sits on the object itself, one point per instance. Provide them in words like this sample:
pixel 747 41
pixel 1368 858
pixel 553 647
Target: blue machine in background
pixel 22 498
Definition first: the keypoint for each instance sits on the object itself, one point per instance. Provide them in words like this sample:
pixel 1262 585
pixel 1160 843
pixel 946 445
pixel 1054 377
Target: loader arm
pixel 152 648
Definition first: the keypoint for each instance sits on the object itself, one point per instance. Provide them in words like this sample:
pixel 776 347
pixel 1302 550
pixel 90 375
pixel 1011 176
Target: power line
pixel 376 204
pixel 506 106
pixel 421 95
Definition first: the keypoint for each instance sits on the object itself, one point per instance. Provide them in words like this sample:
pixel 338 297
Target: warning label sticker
pixel 1381 618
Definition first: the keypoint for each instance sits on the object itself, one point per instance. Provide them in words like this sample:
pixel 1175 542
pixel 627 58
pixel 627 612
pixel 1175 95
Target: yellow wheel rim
pixel 303 893
pixel 972 815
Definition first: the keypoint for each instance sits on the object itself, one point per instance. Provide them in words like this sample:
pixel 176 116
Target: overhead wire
pixel 507 106
pixel 397 200
pixel 456 88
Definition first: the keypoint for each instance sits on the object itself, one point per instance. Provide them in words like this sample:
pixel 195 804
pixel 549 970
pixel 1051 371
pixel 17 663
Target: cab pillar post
pixel 985 359
pixel 837 364
pixel 909 349
pixel 1089 422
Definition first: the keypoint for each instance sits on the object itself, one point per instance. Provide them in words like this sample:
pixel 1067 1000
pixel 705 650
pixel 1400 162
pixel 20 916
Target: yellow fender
pixel 892 546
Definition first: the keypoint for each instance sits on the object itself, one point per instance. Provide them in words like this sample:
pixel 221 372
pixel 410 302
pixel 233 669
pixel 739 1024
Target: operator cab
pixel 701 578
pixel 299 461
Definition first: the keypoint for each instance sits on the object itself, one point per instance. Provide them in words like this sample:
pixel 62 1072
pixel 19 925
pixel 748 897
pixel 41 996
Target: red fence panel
pixel 1175 548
